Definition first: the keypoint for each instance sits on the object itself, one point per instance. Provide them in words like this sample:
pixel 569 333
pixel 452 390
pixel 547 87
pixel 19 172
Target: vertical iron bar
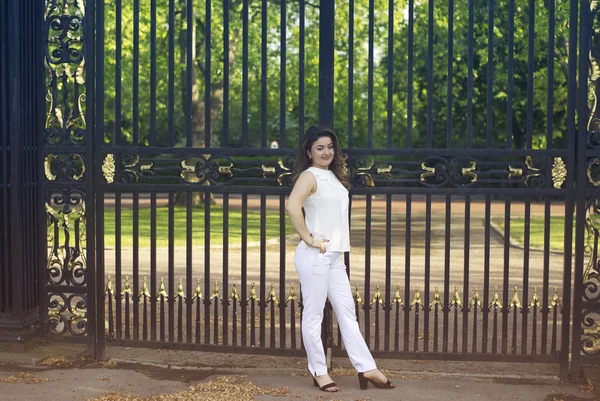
pixel 367 307
pixel 171 265
pixel 514 333
pixel 207 277
pixel 446 308
pixel 390 85
pixel 495 331
pixel 550 85
pixel 198 320
pixel 244 266
pixel 189 70
pixel 470 88
pixel 189 275
pixel 263 267
pixel 427 272
pixel 326 54
pixel 180 300
pixel 153 278
pixel 225 143
pixel 370 76
pixel 301 72
pixel 509 99
pixel 152 72
pixel 118 70
pixel 449 105
pixel 171 73
pixel 530 67
pixel 407 247
pixel 111 325
pixel 282 73
pixel 465 330
pixel 136 265
pixel 263 83
pixel 409 121
pixel 127 317
pixel 136 72
pixel 430 25
pixel 486 275
pixel 97 211
pixel 225 301
pixel 490 100
pixel 207 73
pixel 282 244
pixel 545 290
pixel 244 102
pixel 474 345
pixel 526 243
pixel 351 74
pixel 388 269
pixel 506 308
pixel 162 324
pixel 118 297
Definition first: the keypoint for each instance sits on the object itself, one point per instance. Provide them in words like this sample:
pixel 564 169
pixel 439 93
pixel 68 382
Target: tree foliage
pixel 470 100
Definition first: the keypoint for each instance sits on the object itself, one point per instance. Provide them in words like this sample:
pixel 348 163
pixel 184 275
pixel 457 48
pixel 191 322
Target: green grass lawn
pixel 536 238
pixel 216 226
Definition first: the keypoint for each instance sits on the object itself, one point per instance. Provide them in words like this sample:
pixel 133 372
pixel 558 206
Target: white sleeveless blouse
pixel 327 211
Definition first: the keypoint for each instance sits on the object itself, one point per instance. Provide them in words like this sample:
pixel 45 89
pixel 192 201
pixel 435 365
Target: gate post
pixel 581 185
pixel 326 49
pixel 20 219
pixel 67 285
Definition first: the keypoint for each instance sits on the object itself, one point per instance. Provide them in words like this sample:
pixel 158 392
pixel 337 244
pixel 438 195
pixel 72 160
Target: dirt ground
pixel 62 373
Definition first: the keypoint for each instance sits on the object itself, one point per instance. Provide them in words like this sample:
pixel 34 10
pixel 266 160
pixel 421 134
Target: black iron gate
pixel 168 156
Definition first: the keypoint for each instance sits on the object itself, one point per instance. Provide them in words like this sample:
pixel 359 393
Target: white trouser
pixel 324 276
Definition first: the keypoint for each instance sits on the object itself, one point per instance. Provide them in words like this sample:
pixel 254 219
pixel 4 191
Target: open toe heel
pixel 364 381
pixel 325 387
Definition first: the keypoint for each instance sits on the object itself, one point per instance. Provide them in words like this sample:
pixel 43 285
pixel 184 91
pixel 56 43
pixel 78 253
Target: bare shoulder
pixel 306 181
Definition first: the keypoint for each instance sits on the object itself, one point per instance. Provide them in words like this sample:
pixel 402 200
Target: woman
pixel 319 186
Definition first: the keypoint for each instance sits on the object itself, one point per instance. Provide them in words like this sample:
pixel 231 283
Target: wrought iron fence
pixel 178 114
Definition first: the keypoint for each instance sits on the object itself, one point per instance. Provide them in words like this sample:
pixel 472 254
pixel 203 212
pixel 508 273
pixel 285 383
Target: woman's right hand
pixel 321 245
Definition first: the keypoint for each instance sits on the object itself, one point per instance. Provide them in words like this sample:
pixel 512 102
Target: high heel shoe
pixel 363 381
pixel 326 386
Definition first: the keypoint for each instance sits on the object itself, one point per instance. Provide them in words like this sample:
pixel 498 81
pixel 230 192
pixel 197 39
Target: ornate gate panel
pixel 68 288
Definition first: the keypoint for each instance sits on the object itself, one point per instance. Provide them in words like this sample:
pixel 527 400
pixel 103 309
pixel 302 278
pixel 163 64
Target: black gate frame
pixel 74 154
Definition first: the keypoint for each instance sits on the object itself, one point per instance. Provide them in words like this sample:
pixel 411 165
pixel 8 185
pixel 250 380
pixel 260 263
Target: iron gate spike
pixel 162 290
pixel 475 301
pixel 126 287
pixel 357 297
pixel 216 292
pixel 515 299
pixel 555 299
pixel 198 291
pixel 496 299
pixel 253 293
pixel 145 291
pixel 535 300
pixel 292 296
pixel 273 296
pixel 180 292
pixel 234 294
pixel 397 297
pixel 109 286
pixel 417 298
pixel 456 298
pixel 377 297
pixel 437 300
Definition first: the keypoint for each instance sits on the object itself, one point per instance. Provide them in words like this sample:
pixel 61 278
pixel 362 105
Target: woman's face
pixel 322 152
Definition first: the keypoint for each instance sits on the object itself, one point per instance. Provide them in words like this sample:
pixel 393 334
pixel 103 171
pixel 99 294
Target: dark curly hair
pixel 338 164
